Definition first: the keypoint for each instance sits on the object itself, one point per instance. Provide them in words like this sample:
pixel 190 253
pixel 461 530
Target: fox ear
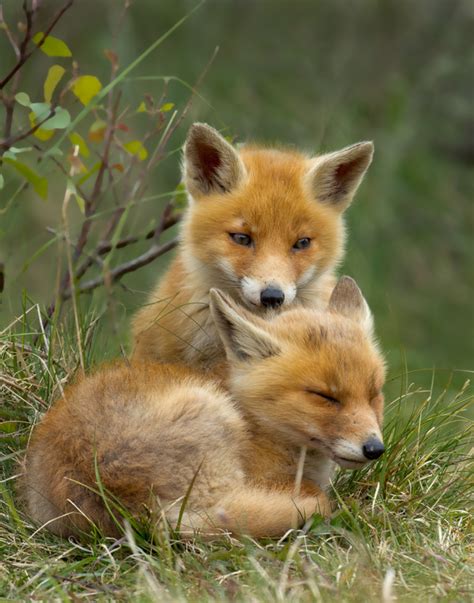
pixel 211 164
pixel 243 339
pixel 334 178
pixel 347 299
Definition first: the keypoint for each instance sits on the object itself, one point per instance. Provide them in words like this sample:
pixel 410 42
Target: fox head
pixel 265 224
pixel 311 378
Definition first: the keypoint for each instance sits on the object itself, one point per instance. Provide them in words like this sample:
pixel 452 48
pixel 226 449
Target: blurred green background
pixel 319 75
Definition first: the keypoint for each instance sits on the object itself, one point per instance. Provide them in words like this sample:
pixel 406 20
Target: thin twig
pixel 7 143
pixel 159 154
pixel 67 197
pixel 105 247
pixel 9 34
pixel 116 273
pixel 24 53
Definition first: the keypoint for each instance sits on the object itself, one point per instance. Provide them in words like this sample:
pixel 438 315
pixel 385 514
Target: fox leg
pixel 255 512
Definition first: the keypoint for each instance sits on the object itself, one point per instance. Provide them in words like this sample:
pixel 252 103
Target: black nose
pixel 272 298
pixel 373 448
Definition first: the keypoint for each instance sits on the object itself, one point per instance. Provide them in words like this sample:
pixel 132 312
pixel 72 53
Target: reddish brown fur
pixel 152 429
pixel 275 196
pixel 275 208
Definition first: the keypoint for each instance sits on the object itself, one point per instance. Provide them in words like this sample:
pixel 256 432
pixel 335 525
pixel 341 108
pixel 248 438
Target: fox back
pixel 263 225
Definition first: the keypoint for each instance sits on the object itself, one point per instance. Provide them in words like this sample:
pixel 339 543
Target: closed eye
pixel 323 395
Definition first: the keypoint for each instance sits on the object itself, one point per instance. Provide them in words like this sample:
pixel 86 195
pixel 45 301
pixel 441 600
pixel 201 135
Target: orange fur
pixel 276 197
pixel 151 431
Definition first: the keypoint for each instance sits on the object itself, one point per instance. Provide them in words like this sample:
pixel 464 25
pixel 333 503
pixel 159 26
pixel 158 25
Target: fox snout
pixel 272 297
pixel 350 455
pixel 269 294
pixel 373 449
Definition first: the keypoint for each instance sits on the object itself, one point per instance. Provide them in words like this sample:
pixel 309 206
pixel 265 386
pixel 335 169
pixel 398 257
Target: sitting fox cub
pixel 264 225
pixel 305 378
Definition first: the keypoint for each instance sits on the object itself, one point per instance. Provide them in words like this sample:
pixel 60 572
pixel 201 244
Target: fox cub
pixel 156 433
pixel 263 225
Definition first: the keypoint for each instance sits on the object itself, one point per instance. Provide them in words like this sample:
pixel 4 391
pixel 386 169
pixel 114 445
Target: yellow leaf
pixel 97 131
pixel 135 147
pixel 77 139
pixel 43 134
pixel 86 87
pixel 166 107
pixel 53 78
pixel 53 47
pixel 141 107
pixel 40 133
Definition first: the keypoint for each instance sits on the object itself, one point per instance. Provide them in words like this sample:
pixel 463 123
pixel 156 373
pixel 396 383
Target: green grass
pixel 402 529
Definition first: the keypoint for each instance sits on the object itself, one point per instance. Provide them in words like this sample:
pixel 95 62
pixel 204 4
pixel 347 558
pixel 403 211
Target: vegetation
pixel 403 528
pixel 92 114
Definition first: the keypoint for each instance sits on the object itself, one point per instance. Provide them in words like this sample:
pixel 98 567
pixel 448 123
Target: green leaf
pixel 2 181
pixel 53 47
pixel 40 110
pixel 40 133
pixel 81 203
pixel 14 151
pixel 135 147
pixel 71 188
pixel 60 120
pixel 23 99
pixel 77 139
pixel 86 87
pixel 166 107
pixel 39 183
pixel 55 73
pixel 18 150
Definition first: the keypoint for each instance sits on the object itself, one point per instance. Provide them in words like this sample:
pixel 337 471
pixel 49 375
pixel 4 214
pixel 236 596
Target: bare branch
pixel 9 34
pixel 24 53
pixel 106 246
pixel 6 144
pixel 116 273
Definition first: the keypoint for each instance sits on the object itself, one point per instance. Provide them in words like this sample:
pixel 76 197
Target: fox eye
pixel 303 243
pixel 241 239
pixel 325 396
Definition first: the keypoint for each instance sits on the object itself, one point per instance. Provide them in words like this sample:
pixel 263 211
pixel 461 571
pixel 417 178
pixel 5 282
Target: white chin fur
pixel 347 464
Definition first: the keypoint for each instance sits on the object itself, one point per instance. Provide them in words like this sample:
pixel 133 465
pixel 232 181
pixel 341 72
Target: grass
pixel 402 530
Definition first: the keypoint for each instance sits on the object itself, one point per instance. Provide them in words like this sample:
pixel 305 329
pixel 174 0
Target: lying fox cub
pixel 154 433
pixel 264 225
